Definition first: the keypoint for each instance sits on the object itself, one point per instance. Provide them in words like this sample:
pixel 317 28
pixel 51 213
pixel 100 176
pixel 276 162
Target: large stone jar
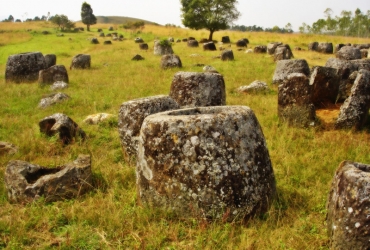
pixel 208 162
pixel 348 216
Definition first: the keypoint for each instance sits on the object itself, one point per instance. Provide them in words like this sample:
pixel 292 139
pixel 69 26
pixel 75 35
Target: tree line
pixel 355 24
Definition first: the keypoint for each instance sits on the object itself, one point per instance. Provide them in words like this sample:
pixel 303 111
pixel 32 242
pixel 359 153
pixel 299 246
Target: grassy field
pixel 304 160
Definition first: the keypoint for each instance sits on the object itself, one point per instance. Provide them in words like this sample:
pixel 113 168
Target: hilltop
pixel 120 20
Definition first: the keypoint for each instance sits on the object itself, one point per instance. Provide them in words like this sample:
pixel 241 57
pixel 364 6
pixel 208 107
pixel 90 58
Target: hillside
pixel 120 20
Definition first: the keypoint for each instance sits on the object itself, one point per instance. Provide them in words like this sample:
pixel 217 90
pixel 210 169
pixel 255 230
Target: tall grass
pixel 304 160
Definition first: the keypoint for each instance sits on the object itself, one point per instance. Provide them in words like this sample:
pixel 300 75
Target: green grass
pixel 304 160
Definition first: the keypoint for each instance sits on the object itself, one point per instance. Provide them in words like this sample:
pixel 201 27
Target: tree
pixel 138 25
pixel 212 15
pixel 87 15
pixel 62 22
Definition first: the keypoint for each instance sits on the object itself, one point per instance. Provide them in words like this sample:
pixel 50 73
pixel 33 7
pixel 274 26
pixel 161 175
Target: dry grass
pixel 304 160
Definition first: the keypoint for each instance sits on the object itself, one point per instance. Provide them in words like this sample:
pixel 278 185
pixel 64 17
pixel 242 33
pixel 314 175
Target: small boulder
pixel 225 39
pixel 58 85
pixel 107 42
pixel 255 87
pixel 348 53
pixel 209 69
pixel 193 43
pixel 143 46
pixel 138 40
pixel 7 148
pixel 227 55
pixel 50 60
pixel 326 48
pixel 209 46
pixel 81 61
pixel 271 47
pixel 137 57
pixel 241 43
pixel 162 47
pixel 53 99
pixel 283 52
pixel 313 46
pixel 94 40
pixel 97 118
pixel 260 49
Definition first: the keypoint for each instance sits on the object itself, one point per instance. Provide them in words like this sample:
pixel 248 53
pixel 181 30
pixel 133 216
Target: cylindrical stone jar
pixel 348 216
pixel 209 162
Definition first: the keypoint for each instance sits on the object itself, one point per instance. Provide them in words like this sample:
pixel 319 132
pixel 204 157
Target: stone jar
pixel 348 207
pixel 209 162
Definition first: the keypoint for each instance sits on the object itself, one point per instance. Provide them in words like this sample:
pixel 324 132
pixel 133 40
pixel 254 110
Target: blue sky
pixel 266 14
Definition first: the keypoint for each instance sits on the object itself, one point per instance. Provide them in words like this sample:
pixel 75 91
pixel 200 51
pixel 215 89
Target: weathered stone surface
pixel 260 49
pixel 97 118
pixel 170 61
pixel 271 47
pixel 362 46
pixel 295 101
pixel 287 67
pixel 102 34
pixel 58 85
pixel 225 39
pixel 193 43
pixel 313 46
pixel 255 87
pixel 24 67
pixel 368 53
pixel 209 69
pixel 62 125
pixel 143 46
pixel 326 48
pixel 137 58
pixel 162 49
pixel 364 53
pixel 348 53
pixel 227 55
pixel 132 114
pixel 7 148
pixel 241 43
pixel 348 207
pixel 26 182
pixel 50 60
pixel 325 85
pixel 355 109
pixel 283 52
pixel 53 74
pixel 338 47
pixel 53 99
pixel 209 162
pixel 107 42
pixel 171 39
pixel 81 61
pixel 209 46
pixel 192 89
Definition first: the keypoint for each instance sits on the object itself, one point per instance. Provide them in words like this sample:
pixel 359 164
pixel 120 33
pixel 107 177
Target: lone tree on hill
pixel 87 15
pixel 212 15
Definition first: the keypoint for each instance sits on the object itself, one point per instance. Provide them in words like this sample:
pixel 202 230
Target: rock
pixel 137 57
pixel 249 51
pixel 246 40
pixel 138 40
pixel 338 47
pixel 241 43
pixel 107 42
pixel 26 182
pixel 193 43
pixel 204 40
pixel 132 114
pixel 255 87
pixel 286 67
pixel 24 67
pixel 97 118
pixel 355 109
pixel 192 89
pixel 210 162
pixel 325 86
pixel 260 49
pixel 348 207
pixel 227 55
pixel 62 125
pixel 171 39
pixel 53 74
pixel 170 61
pixel 81 61
pixel 101 34
pixel 94 40
pixel 283 52
pixel 7 148
pixel 362 46
pixel 184 40
pixel 364 53
pixel 209 69
pixel 58 85
pixel 143 46
pixel 313 46
pixel 110 28
pixel 50 60
pixel 225 39
pixel 53 99
pixel 100 30
pixel 368 53
pixel 326 48
pixel 348 53
pixel 45 32
pixel 295 101
pixel 271 47
pixel 162 48
pixel 209 46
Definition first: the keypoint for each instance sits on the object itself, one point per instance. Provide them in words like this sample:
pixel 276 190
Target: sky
pixel 266 14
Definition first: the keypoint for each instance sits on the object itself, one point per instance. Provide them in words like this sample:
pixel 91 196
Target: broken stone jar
pixel 207 162
pixel 348 207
